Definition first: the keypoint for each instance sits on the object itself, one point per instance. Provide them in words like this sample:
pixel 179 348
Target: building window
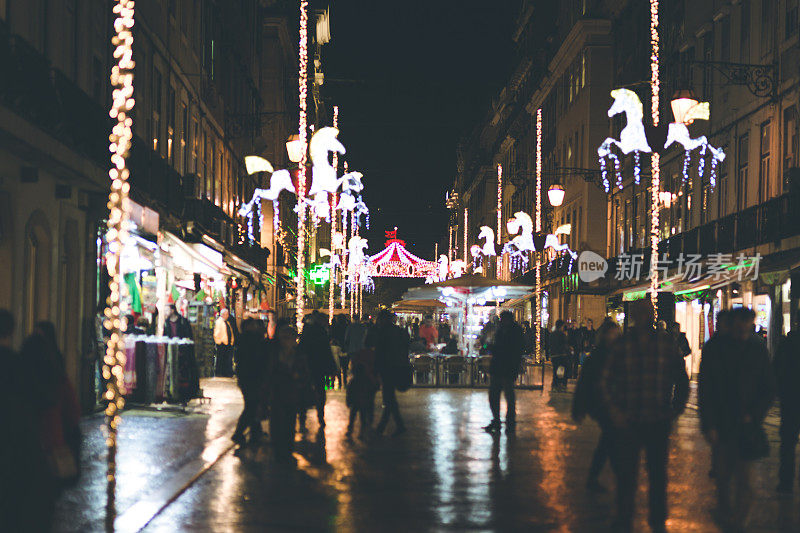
pixel 764 162
pixel 744 35
pixel 767 29
pixel 741 173
pixel 790 139
pixel 156 133
pixel 170 122
pixel 725 39
pixel 722 187
pixel 790 19
pixel 185 138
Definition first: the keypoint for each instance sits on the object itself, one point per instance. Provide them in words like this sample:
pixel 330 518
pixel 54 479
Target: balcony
pixel 761 224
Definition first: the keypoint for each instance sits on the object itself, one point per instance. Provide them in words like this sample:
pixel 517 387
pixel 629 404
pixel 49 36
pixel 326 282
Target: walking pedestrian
pixel 353 343
pixel 504 367
pixel 289 383
pixel 391 346
pixel 428 333
pixel 224 339
pixel 645 387
pixel 736 388
pixel 787 374
pixel 55 417
pixel 559 355
pixel 315 345
pixel 361 389
pixel 588 400
pixel 251 374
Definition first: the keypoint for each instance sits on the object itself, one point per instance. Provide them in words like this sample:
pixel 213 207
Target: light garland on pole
pixel 655 184
pixel 301 181
pixel 499 215
pixel 346 235
pixel 120 143
pixel 466 232
pixel 538 296
pixel 332 278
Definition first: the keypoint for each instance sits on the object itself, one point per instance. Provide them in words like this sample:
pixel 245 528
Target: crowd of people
pixel 283 375
pixel 634 385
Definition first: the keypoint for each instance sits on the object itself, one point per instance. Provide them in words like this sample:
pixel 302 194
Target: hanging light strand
pixel 332 275
pixel 538 323
pixel 499 216
pixel 301 181
pixel 120 143
pixel 655 185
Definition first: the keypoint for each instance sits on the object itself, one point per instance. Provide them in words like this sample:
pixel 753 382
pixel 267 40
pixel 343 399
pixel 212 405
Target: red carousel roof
pixel 396 261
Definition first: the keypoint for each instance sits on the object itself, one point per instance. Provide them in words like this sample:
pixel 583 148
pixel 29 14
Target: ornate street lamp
pixel 555 194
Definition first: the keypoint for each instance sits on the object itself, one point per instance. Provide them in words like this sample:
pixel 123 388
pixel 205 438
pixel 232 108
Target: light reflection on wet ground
pixel 446 474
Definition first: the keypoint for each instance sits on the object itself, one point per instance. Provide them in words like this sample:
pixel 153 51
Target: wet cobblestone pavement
pixel 153 447
pixel 444 474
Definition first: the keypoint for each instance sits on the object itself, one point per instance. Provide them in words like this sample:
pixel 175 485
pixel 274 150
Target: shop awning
pixel 196 258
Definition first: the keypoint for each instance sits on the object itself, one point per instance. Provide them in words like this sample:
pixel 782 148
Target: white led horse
pixel 488 245
pixel 677 132
pixel 522 224
pixel 632 137
pixel 280 180
pixel 443 267
pixel 323 142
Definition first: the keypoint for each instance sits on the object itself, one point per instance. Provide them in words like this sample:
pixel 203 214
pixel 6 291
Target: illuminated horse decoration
pixel 447 269
pixel 633 138
pixel 522 227
pixel 357 260
pixel 324 182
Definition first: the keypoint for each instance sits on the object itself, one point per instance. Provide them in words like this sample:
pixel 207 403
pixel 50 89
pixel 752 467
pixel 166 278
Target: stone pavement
pixel 446 474
pixel 156 450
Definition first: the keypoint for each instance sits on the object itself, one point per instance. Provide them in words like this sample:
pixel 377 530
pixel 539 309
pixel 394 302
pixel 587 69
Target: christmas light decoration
pixel 301 182
pixel 397 262
pixel 499 215
pixel 538 327
pixel 466 232
pixel 332 283
pixel 120 144
pixel 487 234
pixel 655 182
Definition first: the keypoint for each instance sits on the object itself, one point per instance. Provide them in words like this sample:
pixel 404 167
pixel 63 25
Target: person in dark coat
pixel 787 374
pixel 289 381
pixel 645 387
pixel 736 389
pixel 361 389
pixel 176 325
pixel 315 344
pixel 507 349
pixel 251 374
pixel 391 345
pixel 55 416
pixel 588 400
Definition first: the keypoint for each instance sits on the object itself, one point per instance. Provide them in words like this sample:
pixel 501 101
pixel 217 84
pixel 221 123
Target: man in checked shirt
pixel 645 387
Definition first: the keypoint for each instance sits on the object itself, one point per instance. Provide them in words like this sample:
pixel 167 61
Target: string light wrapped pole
pixel 332 275
pixel 499 216
pixel 655 184
pixel 301 180
pixel 538 352
pixel 346 235
pixel 466 233
pixel 120 143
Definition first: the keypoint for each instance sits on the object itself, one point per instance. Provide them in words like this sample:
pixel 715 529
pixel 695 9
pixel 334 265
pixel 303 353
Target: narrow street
pixel 444 474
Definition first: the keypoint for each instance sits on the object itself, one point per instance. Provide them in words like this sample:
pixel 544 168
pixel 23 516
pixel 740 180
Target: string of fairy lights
pixel 301 180
pixel 499 216
pixel 332 273
pixel 538 296
pixel 120 144
pixel 655 184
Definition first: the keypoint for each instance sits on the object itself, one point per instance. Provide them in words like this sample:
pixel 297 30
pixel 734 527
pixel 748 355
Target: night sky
pixel 410 77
